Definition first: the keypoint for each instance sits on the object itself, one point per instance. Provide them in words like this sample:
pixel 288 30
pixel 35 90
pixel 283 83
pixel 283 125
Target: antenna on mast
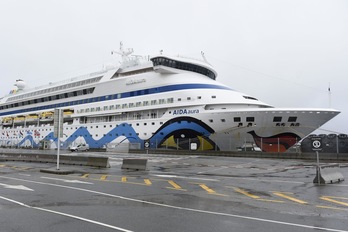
pixel 205 59
pixel 124 54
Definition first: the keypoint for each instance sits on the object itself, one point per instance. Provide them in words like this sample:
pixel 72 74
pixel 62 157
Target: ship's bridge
pixel 166 64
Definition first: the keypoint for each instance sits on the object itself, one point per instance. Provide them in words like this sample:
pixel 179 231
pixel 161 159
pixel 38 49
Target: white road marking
pixel 65 214
pixel 67 181
pixel 181 208
pixel 19 187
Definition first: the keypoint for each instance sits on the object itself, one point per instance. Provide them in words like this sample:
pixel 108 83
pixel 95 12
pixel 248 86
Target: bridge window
pixel 183 66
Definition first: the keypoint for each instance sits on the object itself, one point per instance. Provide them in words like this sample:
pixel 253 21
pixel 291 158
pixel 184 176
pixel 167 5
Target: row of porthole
pixel 131 105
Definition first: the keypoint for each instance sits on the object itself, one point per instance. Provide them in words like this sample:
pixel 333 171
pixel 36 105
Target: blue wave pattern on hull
pixel 123 129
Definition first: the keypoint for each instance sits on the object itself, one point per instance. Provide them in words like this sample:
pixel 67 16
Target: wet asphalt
pixel 174 193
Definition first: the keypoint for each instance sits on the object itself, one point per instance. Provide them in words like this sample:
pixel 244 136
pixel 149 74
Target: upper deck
pixel 77 87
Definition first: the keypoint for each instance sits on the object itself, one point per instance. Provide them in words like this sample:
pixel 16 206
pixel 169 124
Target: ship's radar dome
pixel 20 84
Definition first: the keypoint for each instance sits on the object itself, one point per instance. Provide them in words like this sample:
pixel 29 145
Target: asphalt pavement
pixel 174 193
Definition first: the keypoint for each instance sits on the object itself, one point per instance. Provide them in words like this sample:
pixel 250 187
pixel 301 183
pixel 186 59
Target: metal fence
pixel 332 143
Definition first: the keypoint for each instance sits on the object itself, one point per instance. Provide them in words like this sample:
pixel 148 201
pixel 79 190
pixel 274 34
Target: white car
pixel 80 147
pixel 249 147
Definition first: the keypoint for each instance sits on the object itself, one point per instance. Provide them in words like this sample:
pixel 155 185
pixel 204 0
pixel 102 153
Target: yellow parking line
pixel 210 191
pixel 268 200
pixel 279 194
pixel 147 182
pixel 103 177
pixel 328 198
pixel 124 179
pixel 238 190
pixel 175 185
pixel 85 175
pixel 342 198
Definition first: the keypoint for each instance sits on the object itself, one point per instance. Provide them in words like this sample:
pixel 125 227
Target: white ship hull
pixel 168 102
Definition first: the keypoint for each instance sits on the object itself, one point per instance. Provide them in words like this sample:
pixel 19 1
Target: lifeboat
pixel 7 121
pixel 32 118
pixel 46 116
pixel 19 119
pixel 67 113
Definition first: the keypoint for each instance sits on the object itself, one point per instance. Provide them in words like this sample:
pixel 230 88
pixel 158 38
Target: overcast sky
pixel 285 53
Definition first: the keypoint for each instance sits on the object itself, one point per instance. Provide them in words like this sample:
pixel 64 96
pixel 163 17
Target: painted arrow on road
pixel 67 181
pixel 19 187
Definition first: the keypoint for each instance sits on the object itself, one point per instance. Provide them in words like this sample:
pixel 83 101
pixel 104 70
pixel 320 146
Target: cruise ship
pixel 163 101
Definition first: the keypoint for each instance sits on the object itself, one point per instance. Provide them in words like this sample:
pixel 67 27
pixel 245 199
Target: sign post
pixel 58 129
pixel 147 145
pixel 317 146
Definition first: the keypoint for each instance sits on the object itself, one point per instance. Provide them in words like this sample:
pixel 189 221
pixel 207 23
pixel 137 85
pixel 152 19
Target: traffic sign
pixel 317 144
pixel 147 144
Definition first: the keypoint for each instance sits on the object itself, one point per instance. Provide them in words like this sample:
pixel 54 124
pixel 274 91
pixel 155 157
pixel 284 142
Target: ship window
pixel 153 102
pixel 170 100
pixel 223 120
pixel 183 66
pixel 277 119
pixel 236 119
pixel 210 120
pixel 250 119
pixel 250 98
pixel 145 103
pixel 199 97
pixel 292 119
pixel 179 99
pixel 213 96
